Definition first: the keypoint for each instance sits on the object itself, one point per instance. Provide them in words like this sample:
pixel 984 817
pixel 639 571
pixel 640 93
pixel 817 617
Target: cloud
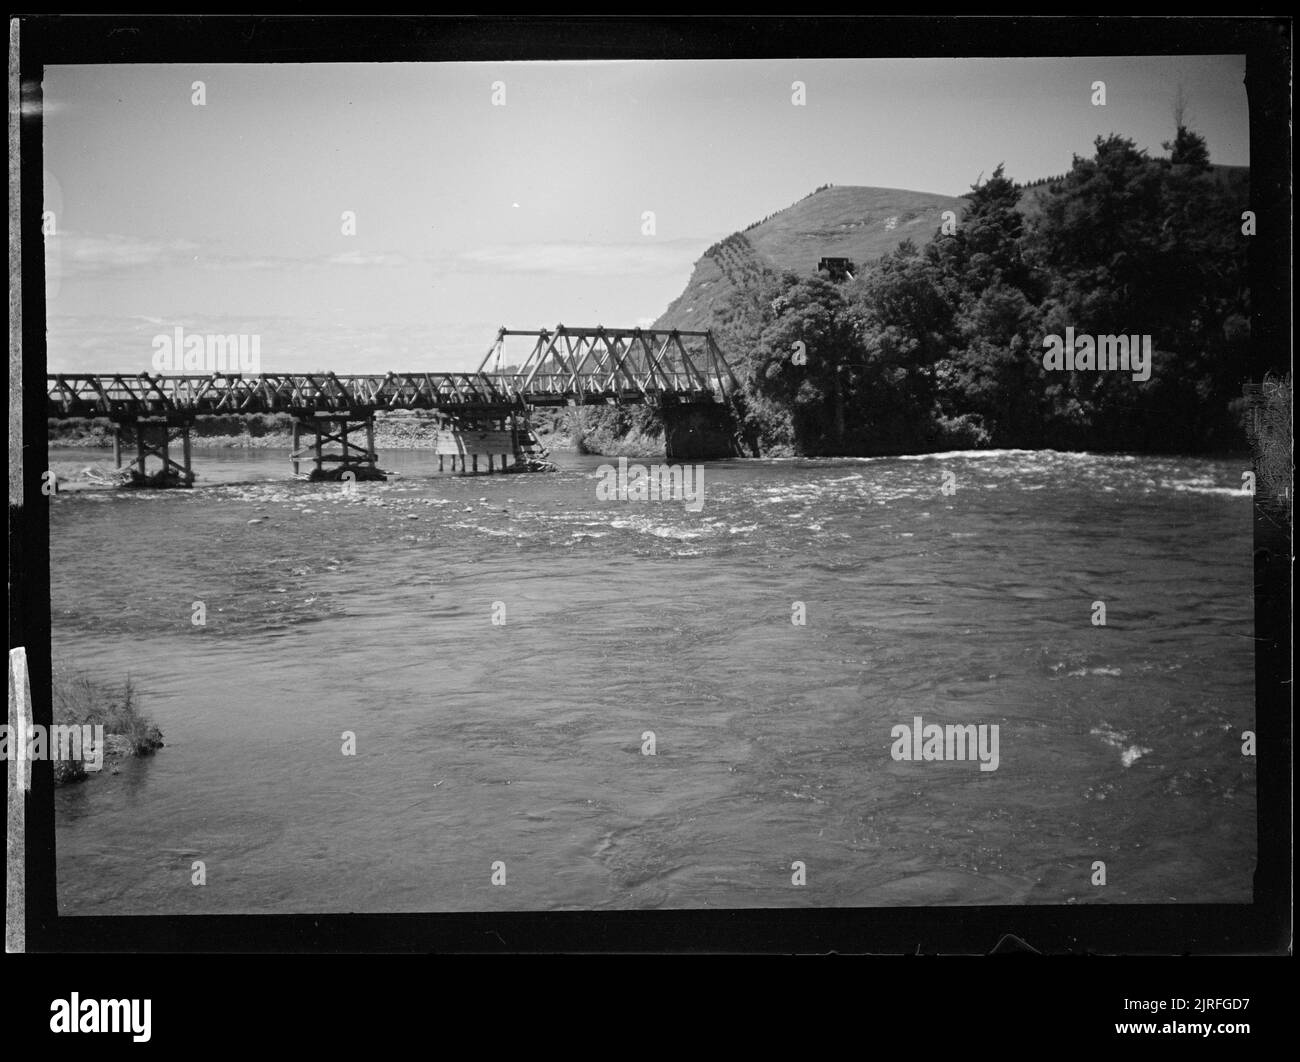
pixel 89 254
pixel 77 252
pixel 647 258
pixel 359 258
pixel 245 264
pixel 96 254
pixel 124 343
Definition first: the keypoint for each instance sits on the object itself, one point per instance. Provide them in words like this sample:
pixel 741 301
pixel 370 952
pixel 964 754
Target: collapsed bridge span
pixel 481 415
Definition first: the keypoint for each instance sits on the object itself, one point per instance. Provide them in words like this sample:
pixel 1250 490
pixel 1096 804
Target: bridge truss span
pixel 588 365
pixel 483 414
pixel 113 396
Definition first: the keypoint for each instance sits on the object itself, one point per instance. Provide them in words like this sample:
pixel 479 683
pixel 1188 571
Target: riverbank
pixel 604 431
pixel 393 431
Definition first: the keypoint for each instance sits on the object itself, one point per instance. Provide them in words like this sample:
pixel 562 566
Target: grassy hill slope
pixel 851 222
pixel 854 222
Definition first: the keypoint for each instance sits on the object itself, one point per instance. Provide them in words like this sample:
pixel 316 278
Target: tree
pixel 940 346
pixel 800 363
pixel 987 248
pixel 1188 149
pixel 1145 247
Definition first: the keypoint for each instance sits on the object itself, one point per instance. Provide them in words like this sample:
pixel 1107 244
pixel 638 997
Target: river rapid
pixel 516 749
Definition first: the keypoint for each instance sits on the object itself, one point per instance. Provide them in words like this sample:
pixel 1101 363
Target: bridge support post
pixel 153 437
pixel 335 464
pixel 699 431
pixel 490 433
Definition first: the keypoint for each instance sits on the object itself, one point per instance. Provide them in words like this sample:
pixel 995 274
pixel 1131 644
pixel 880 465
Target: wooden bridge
pixel 480 414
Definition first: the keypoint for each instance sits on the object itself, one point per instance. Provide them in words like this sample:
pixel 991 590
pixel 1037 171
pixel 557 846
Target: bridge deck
pixel 567 365
pixel 89 395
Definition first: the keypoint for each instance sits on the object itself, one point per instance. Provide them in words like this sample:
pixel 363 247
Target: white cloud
pixel 78 252
pixel 647 258
pixel 359 258
pixel 113 343
pixel 88 254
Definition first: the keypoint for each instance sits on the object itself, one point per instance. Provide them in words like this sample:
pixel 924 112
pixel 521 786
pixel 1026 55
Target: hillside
pixel 852 222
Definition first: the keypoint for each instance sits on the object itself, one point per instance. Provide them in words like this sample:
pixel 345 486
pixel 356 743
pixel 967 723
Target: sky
pixel 516 194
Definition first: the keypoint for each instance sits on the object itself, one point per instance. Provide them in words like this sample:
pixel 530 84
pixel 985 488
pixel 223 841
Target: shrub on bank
pixel 80 700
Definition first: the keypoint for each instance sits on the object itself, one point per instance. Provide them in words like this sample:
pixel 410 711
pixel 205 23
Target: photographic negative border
pixel 1260 927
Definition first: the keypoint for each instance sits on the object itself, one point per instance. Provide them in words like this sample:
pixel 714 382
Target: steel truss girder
pixel 582 364
pixel 649 361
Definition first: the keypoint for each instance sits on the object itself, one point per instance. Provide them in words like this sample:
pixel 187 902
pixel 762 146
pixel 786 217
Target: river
pixel 516 749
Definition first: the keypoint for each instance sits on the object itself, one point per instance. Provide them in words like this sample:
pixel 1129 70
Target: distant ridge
pixel 836 221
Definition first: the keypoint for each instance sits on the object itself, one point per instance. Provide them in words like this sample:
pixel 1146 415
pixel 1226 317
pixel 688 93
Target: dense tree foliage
pixel 942 346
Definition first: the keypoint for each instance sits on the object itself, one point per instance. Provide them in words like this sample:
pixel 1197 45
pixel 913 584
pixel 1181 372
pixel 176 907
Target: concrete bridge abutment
pixel 699 431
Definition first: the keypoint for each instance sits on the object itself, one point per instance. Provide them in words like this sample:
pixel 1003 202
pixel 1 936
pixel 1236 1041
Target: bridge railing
pixel 566 383
pixel 92 395
pixel 569 363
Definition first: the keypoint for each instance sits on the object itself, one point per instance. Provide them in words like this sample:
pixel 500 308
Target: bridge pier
pixel 502 436
pixel 153 436
pixel 331 427
pixel 481 414
pixel 698 430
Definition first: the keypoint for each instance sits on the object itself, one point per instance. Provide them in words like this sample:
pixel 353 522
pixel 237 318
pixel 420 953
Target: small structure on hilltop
pixel 837 268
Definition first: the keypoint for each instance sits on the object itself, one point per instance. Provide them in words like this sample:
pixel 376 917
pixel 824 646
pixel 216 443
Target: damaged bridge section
pixel 482 417
pixel 333 418
pixel 682 373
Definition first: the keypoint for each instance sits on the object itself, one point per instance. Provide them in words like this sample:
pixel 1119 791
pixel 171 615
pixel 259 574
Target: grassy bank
pixel 609 431
pixel 80 700
pixel 561 430
pixel 258 431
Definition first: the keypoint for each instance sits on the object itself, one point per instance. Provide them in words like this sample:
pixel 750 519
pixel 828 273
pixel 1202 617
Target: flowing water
pixel 520 743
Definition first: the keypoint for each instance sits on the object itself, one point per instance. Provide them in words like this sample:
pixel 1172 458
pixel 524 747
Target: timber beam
pixel 153 437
